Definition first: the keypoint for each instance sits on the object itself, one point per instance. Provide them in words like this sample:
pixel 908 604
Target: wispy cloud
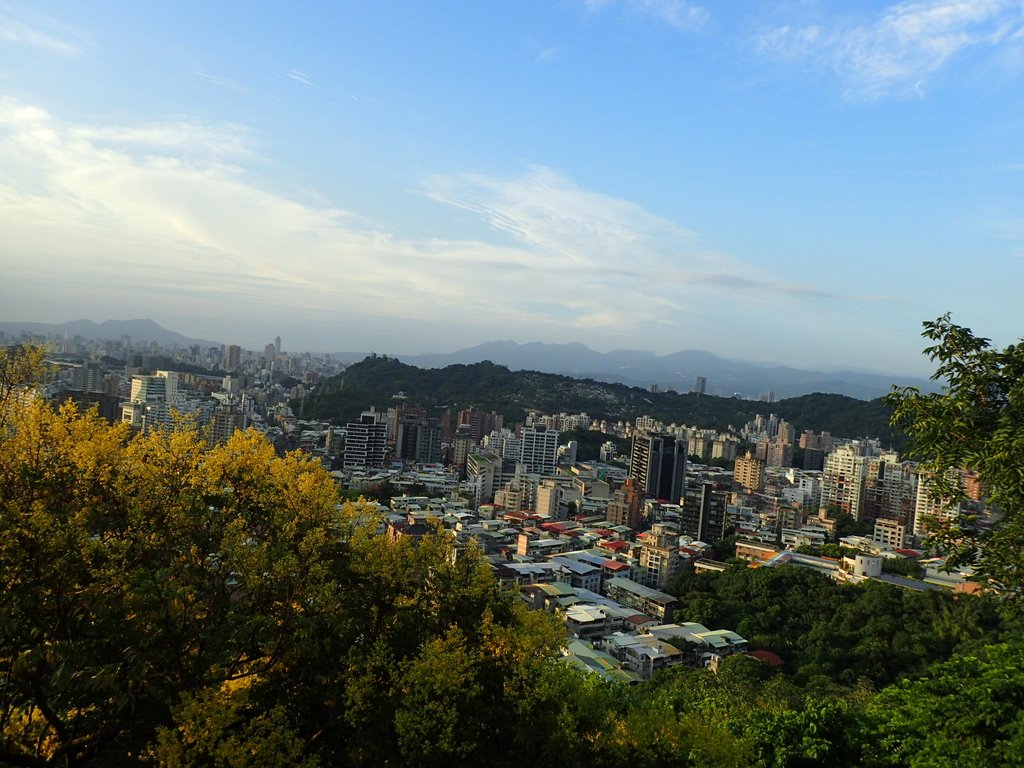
pixel 300 77
pixel 614 241
pixel 545 210
pixel 14 31
pixel 182 138
pixel 680 14
pixel 220 82
pixel 542 51
pixel 746 285
pixel 172 212
pixel 896 52
pixel 148 217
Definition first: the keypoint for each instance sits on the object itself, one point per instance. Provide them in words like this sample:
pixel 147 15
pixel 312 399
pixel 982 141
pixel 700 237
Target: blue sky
pixel 801 182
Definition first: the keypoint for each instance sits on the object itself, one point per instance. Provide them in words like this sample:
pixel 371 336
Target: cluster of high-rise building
pixel 600 541
pixel 653 479
pixel 148 386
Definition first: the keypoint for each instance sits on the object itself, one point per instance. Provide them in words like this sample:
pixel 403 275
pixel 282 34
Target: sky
pixel 799 182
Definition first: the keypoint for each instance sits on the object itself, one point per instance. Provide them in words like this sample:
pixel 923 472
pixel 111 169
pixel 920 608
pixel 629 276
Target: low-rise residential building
pixel 642 654
pixel 648 601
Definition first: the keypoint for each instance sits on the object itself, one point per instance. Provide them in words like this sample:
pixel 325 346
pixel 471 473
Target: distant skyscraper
pixel 843 480
pixel 418 438
pixel 145 388
pixel 658 463
pixel 931 513
pixel 480 422
pixel 232 358
pixel 701 386
pixel 277 344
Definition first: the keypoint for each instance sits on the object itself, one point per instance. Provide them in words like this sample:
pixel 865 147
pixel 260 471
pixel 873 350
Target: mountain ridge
pixel 140 329
pixel 677 370
pixel 377 381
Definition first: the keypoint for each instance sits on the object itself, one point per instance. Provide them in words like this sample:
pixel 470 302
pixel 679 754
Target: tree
pixel 136 571
pixel 965 711
pixel 20 367
pixel 975 423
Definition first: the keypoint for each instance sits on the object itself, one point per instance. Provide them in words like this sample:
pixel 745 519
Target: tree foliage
pixel 21 367
pixel 975 423
pixel 136 570
pixel 832 634
pixel 966 711
pixel 217 606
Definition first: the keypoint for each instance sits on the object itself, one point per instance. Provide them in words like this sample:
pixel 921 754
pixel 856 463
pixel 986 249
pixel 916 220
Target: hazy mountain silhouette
pixel 141 330
pixel 678 370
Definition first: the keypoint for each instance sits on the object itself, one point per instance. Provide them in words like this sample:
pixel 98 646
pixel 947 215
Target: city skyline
pixel 801 182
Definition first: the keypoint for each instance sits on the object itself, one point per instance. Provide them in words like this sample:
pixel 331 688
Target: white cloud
pixel 217 80
pixel 680 14
pixel 300 77
pixel 169 219
pixel 899 50
pixel 171 211
pixel 547 211
pixel 14 31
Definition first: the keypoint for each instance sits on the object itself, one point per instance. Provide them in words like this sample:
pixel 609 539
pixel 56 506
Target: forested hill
pixel 378 380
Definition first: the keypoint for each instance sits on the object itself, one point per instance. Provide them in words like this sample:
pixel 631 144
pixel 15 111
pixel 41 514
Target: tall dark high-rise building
pixel 658 463
pixel 418 439
pixel 480 422
pixel 365 441
pixel 703 514
pixel 232 358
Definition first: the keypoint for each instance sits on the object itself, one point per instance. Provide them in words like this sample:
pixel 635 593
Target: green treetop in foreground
pixel 976 423
pixel 169 603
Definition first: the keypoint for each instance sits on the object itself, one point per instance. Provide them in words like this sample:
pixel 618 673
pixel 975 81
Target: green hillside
pixel 381 381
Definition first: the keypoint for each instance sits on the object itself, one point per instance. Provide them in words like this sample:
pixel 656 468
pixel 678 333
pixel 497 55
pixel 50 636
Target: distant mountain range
pixel 678 371
pixel 143 330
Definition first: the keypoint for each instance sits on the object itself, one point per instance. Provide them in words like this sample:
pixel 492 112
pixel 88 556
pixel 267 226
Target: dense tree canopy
pixel 217 606
pixel 829 633
pixel 976 423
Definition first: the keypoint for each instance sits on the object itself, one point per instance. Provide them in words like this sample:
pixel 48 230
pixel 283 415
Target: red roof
pixel 614 565
pixel 767 657
pixel 615 546
pixel 555 527
pixel 908 552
